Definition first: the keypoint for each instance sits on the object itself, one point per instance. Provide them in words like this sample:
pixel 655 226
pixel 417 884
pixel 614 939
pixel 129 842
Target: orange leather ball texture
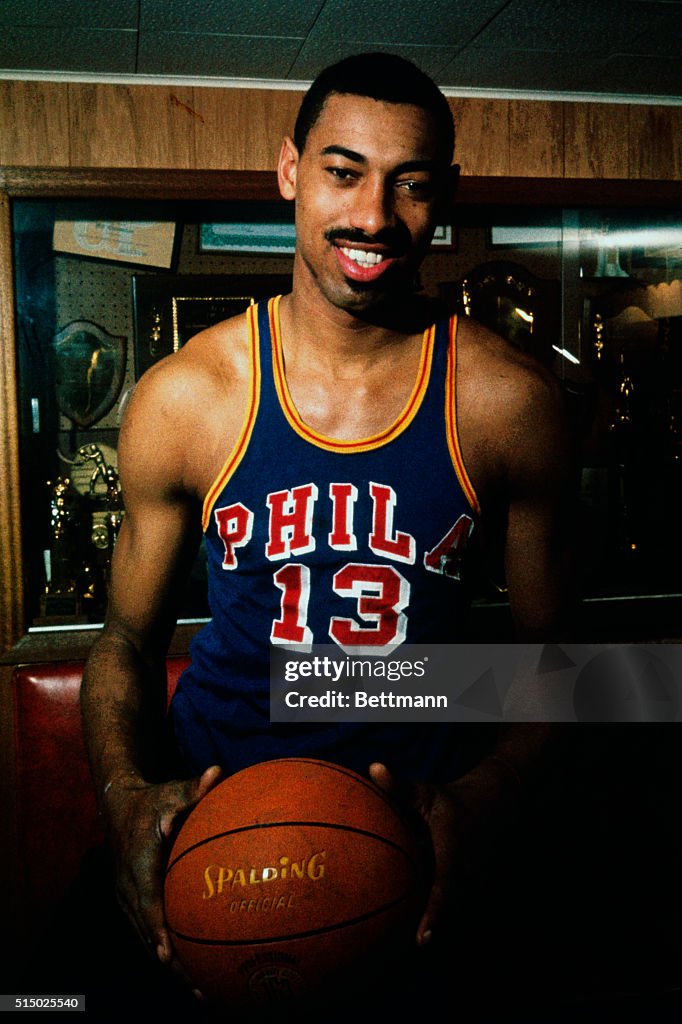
pixel 289 875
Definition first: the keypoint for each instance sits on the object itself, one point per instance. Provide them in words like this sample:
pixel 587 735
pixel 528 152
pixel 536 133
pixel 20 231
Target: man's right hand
pixel 141 819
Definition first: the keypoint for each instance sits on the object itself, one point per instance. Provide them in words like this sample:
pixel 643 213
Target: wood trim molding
pixel 126 183
pixel 491 190
pixel 575 192
pixel 11 575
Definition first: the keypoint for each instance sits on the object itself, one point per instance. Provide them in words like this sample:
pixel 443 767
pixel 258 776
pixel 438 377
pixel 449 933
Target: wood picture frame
pixel 169 310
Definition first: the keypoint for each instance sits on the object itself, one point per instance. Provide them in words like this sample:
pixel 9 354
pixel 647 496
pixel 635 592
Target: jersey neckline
pixel 308 433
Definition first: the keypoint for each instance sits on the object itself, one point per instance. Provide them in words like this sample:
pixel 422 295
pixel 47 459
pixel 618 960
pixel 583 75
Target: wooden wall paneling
pixel 11 580
pixel 131 126
pixel 536 139
pixel 596 138
pixel 242 129
pixel 482 136
pixel 34 124
pixel 655 142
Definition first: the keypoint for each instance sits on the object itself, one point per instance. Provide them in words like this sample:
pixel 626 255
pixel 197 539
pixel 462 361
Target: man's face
pixel 368 187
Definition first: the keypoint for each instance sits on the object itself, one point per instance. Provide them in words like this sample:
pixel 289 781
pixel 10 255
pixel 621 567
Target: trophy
pixel 84 528
pixel 598 327
pixel 61 599
pixel 107 513
pixel 624 482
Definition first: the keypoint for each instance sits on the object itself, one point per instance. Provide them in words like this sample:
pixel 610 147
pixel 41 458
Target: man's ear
pixel 287 169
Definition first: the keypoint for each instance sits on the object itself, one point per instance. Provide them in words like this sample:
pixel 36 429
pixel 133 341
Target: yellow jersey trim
pixel 242 442
pixel 451 420
pixel 333 444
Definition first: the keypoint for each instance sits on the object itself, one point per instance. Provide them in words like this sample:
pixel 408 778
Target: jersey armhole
pixel 242 442
pixel 451 419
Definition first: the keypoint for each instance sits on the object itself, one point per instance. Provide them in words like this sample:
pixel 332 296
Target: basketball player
pixel 338 446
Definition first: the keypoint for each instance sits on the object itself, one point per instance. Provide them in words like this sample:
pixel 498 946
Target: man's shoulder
pixel 195 400
pixel 210 366
pixel 510 408
pixel 491 366
pixel 221 351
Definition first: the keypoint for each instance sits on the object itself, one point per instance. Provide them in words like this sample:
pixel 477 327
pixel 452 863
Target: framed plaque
pixel 134 242
pixel 168 311
pixel 276 238
pixel 265 228
pixel 88 367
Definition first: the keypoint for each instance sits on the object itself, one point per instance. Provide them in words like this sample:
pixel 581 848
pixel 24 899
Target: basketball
pixel 287 875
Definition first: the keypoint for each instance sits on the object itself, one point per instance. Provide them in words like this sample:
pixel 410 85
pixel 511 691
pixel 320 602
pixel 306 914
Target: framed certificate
pixel 136 242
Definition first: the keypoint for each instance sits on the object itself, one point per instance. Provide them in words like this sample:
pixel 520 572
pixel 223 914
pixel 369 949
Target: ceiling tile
pixel 583 26
pixel 404 22
pixel 613 46
pixel 509 69
pixel 68 49
pixel 66 13
pixel 170 53
pixel 315 56
pixel 655 29
pixel 623 74
pixel 230 17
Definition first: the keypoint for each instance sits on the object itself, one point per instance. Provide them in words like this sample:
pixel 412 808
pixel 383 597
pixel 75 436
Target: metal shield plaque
pixel 89 368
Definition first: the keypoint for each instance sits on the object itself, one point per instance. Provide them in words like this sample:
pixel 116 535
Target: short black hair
pixel 380 76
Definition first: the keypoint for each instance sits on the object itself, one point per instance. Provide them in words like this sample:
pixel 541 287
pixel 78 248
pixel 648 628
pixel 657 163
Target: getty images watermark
pixel 478 683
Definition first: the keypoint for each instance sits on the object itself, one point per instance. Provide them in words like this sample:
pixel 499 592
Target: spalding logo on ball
pixel 290 874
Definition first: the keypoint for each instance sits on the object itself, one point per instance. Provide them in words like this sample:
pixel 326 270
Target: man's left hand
pixel 463 818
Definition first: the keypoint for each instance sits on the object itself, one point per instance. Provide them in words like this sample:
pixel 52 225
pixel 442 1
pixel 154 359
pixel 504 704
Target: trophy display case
pixel 103 286
pixel 596 296
pixel 103 290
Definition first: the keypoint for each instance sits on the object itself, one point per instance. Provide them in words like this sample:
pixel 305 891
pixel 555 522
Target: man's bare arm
pixel 125 674
pixel 540 479
pixel 124 685
pixel 541 488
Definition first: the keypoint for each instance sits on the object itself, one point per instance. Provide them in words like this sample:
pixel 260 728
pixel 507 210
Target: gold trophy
pixel 61 599
pixel 83 564
pixel 107 509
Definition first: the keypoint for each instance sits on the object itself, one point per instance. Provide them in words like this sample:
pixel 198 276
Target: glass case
pixel 596 295
pixel 622 297
pixel 104 288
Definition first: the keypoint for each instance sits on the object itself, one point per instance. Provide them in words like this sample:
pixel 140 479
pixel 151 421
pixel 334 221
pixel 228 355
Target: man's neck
pixel 313 325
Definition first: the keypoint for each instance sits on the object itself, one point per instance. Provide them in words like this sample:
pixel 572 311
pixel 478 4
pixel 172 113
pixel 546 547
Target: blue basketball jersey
pixel 315 540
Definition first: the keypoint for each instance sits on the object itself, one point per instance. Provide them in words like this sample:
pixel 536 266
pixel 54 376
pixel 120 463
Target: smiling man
pixel 339 446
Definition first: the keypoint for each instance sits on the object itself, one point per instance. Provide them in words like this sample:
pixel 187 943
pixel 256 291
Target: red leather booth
pixel 55 812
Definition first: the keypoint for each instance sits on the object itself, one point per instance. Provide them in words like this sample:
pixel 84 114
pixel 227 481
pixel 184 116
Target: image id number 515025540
pixel 42 1002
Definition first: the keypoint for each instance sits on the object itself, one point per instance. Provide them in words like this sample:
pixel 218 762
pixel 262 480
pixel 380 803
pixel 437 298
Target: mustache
pixel 393 237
